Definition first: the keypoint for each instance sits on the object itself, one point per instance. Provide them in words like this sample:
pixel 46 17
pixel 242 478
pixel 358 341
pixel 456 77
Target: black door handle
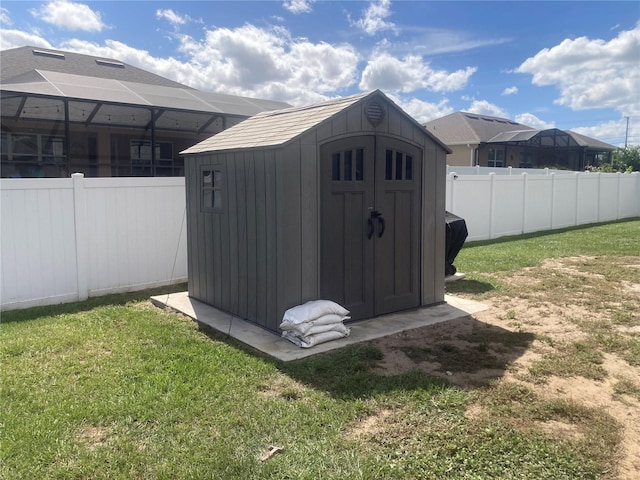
pixel 375 216
pixel 370 234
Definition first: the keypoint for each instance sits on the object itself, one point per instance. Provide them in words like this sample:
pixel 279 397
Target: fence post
pixel 525 183
pixel 80 225
pixel 553 198
pixel 619 196
pixel 492 178
pixel 452 195
pixel 599 177
pixel 575 211
pixel 637 190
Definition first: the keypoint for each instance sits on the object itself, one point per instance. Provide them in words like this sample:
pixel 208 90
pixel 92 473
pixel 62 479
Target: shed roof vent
pixel 374 111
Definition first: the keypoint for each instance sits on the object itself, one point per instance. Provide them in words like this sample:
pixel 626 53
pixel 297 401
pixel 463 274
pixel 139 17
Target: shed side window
pixel 211 185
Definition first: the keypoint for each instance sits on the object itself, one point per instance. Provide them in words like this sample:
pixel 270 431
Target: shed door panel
pixel 370 263
pixel 347 192
pixel 398 187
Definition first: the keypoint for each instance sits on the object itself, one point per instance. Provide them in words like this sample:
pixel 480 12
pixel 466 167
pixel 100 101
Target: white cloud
pixel 613 132
pixel 421 110
pixel 530 120
pixel 5 19
pixel 18 38
pixel 483 107
pixel 247 61
pixel 297 6
pixel 172 17
pixel 70 16
pixel 373 19
pixel 409 74
pixel 591 73
pixel 510 91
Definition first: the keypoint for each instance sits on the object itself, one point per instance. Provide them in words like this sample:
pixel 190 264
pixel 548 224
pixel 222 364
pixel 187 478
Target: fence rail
pixel 67 239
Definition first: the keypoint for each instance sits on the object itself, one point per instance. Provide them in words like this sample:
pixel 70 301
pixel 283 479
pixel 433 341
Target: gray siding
pixel 261 254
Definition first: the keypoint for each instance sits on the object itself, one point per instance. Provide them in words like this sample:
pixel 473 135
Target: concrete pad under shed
pixel 281 349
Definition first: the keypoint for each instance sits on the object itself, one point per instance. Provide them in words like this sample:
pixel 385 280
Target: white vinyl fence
pixel 66 239
pixel 499 205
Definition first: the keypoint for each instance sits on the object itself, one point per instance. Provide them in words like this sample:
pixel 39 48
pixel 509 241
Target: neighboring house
pixel 65 112
pixel 499 142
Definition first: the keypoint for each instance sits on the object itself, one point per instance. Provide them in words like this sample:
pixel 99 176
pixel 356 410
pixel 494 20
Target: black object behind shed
pixel 456 234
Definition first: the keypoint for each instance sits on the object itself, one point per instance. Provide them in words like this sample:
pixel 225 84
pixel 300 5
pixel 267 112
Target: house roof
pixel 104 91
pixel 79 87
pixel 18 61
pixel 462 128
pixel 277 127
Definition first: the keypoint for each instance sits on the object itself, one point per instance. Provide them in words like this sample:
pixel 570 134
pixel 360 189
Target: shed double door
pixel 370 224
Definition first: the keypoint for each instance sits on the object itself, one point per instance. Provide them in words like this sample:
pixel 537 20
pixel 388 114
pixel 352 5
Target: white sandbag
pixel 325 320
pixel 312 310
pixel 311 340
pixel 310 328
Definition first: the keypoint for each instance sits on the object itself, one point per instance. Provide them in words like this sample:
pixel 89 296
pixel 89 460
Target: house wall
pixel 261 255
pixel 461 155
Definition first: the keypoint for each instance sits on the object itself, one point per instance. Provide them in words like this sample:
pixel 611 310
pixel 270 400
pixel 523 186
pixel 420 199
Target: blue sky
pixel 572 65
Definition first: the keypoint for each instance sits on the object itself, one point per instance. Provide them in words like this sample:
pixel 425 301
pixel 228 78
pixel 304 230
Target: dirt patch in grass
pixel 92 436
pixel 371 425
pixel 567 330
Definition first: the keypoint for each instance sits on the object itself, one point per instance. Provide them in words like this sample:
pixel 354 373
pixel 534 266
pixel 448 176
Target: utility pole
pixel 626 135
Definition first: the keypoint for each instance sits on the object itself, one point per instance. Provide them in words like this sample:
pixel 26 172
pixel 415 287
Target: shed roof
pixel 277 127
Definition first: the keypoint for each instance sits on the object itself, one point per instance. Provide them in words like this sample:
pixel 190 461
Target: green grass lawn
pixel 116 388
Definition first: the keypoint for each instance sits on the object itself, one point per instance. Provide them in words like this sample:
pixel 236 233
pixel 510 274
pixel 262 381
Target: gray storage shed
pixel 342 200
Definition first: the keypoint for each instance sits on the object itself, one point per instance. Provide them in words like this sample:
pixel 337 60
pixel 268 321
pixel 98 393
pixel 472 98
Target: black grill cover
pixel 456 234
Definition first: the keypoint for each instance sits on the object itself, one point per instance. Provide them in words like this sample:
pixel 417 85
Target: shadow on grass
pixel 34 313
pixel 463 353
pixel 469 286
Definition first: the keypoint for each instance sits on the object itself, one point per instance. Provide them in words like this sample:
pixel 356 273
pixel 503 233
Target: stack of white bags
pixel 315 322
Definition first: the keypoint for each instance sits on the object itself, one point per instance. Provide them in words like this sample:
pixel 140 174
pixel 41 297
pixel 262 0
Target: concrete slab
pixel 277 347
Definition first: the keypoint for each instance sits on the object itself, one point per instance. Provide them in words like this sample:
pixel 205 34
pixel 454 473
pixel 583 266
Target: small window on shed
pixel 212 191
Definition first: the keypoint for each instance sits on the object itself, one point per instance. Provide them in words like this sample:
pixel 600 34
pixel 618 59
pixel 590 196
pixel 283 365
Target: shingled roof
pixel 18 61
pixel 275 127
pixel 462 128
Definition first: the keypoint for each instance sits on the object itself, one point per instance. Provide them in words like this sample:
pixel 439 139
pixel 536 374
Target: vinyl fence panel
pixel 65 239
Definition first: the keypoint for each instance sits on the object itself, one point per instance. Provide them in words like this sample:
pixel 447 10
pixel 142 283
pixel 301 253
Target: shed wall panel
pixel 261 238
pixel 271 241
pixel 290 237
pixel 309 235
pixel 234 247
